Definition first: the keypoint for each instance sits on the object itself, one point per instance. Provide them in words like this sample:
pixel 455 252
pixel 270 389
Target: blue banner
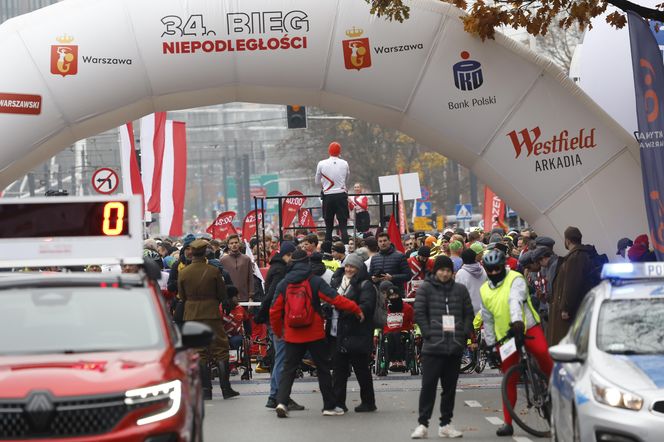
pixel 648 85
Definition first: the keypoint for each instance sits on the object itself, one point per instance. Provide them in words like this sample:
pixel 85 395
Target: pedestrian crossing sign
pixel 464 212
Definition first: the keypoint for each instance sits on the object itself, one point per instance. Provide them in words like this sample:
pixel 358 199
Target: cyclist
pixel 506 305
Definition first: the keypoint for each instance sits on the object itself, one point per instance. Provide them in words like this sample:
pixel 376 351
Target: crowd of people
pixel 321 300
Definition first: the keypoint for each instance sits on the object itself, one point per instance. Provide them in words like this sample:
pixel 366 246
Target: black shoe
pixel 363 408
pixel 293 406
pixel 224 380
pixel 271 403
pixel 505 430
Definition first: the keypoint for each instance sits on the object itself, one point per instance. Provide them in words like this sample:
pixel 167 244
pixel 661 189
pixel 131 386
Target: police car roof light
pixel 628 270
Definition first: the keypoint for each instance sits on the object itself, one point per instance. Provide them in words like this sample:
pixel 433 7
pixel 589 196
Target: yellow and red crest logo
pixel 357 51
pixel 64 57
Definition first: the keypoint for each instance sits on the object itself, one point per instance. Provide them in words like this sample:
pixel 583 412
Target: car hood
pixel 635 373
pixel 81 374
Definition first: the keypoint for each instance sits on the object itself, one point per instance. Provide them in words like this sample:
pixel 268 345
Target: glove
pixel 518 328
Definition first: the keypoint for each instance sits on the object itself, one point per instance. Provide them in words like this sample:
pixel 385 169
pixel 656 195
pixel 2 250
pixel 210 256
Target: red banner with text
pixel 494 208
pixel 222 227
pixel 290 208
pixel 249 225
pixel 307 221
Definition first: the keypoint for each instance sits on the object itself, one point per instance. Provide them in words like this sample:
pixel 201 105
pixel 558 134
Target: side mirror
pixel 195 335
pixel 565 353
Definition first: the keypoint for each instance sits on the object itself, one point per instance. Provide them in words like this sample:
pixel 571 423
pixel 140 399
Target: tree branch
pixel 625 5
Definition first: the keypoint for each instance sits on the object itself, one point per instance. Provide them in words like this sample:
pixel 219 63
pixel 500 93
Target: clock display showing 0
pixel 64 219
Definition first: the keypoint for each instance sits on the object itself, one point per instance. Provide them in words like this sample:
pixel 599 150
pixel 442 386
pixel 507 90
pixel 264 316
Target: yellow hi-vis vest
pixel 497 302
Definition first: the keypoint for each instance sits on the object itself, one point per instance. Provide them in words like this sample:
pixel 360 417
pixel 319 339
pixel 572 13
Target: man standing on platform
pixel 331 174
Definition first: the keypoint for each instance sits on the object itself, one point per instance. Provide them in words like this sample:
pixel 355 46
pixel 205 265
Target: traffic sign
pixel 464 212
pixel 422 223
pixel 423 208
pixel 105 181
pixel 425 194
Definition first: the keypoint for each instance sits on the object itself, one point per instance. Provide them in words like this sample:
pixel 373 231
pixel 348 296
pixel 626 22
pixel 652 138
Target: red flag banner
pixel 222 226
pixel 249 224
pixel 395 235
pixel 290 208
pixel 307 221
pixel 494 207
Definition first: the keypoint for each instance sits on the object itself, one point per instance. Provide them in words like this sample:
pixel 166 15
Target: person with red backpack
pixel 296 317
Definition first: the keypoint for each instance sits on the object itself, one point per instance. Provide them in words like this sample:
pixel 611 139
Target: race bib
pixel 394 320
pixel 507 349
pixel 448 324
pixel 232 356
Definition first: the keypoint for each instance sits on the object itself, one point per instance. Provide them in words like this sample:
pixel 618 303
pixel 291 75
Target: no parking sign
pixel 105 181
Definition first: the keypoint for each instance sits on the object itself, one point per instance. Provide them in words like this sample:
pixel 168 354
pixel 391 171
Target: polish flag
pixel 153 141
pixel 131 175
pixel 173 179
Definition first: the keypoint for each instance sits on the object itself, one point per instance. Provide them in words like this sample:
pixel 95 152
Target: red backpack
pixel 299 311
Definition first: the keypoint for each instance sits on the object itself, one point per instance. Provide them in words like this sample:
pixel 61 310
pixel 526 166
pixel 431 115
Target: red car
pixel 95 357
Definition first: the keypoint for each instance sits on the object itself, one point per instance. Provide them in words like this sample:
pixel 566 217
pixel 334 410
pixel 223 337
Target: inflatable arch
pixel 80 67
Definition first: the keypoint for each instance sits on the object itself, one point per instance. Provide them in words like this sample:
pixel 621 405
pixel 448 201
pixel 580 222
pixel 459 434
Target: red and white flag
pixel 250 221
pixel 131 175
pixel 291 206
pixel 307 221
pixel 173 179
pixel 222 226
pixel 494 208
pixel 153 143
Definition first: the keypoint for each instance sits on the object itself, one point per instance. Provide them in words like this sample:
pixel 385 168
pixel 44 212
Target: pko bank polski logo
pixel 467 73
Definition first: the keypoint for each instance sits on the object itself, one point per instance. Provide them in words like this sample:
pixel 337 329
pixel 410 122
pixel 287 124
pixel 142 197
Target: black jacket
pixel 354 336
pixel 430 307
pixel 393 262
pixel 275 274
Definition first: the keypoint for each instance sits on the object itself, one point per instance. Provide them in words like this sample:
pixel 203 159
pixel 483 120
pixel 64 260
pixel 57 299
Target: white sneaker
pixel 420 432
pixel 282 410
pixel 338 411
pixel 449 431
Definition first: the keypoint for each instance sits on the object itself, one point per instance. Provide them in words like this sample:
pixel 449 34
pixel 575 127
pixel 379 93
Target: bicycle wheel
pixel 480 360
pixel 532 409
pixel 467 361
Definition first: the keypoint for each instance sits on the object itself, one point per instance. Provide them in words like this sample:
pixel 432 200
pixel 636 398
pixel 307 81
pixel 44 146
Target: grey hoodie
pixel 472 276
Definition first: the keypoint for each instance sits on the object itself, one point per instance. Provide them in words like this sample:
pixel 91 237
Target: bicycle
pixel 532 411
pixel 477 356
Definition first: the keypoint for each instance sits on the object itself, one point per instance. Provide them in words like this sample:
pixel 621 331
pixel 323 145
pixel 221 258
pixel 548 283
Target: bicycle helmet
pixel 494 258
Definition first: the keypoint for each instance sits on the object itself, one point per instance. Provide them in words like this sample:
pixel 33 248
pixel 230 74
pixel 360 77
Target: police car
pixel 608 379
pixel 90 356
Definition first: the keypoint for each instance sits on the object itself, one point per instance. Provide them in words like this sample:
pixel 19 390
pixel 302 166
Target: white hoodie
pixel 472 276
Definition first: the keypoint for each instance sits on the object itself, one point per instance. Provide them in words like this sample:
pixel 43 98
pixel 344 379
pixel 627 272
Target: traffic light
pixel 296 117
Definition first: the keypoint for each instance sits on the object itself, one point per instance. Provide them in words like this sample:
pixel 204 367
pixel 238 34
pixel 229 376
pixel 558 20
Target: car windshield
pixel 631 326
pixel 77 320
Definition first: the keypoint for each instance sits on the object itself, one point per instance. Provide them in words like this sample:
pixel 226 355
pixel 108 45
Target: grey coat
pixel 429 310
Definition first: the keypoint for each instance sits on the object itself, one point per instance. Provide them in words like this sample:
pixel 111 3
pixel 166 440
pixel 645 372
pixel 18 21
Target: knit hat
pixel 424 251
pixel 430 241
pixel 354 260
pixel 339 248
pixel 455 245
pixel 326 247
pixel 477 247
pixel 468 256
pixel 442 262
pixel 495 237
pixel 299 255
pixel 286 248
pixel 573 234
pixel 386 286
pixel 642 239
pixel 334 149
pixel 186 242
pixel 363 253
pixel 526 258
pixel 637 251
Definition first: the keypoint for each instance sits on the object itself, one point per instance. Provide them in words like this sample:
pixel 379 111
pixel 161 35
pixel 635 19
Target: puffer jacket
pixel 354 336
pixel 393 262
pixel 430 308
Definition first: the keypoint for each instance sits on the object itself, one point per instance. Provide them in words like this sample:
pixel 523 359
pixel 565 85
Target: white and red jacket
pixel 331 174
pixel 358 203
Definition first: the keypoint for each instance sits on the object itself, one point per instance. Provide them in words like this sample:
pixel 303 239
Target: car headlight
pixel 169 393
pixel 608 394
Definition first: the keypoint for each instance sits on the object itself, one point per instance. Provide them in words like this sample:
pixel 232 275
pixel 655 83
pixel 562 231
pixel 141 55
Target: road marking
pixel 458 390
pixel 473 404
pixel 494 420
pixel 522 439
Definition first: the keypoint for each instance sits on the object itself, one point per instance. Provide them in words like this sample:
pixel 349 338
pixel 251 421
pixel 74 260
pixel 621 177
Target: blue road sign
pixel 423 208
pixel 464 212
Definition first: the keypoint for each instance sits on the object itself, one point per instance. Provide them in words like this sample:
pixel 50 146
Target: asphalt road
pixel 477 412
